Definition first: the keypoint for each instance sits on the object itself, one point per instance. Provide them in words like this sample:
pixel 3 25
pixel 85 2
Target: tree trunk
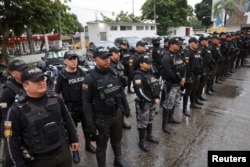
pixel 4 57
pixel 225 19
pixel 30 41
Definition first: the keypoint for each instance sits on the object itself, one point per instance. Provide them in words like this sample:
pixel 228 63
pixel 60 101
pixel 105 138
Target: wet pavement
pixel 222 124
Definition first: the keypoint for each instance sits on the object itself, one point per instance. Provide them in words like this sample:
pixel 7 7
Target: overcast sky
pixel 89 10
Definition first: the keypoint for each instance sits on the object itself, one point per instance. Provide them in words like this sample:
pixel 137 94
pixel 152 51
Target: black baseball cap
pixel 193 39
pixel 166 40
pixel 202 38
pixel 175 40
pixel 113 49
pixel 222 33
pixel 17 65
pixel 144 58
pixel 69 54
pixel 141 43
pixel 31 74
pixel 101 52
pixel 123 42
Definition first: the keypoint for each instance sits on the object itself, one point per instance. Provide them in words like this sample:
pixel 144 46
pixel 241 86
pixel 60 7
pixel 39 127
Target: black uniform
pixel 173 70
pixel 11 89
pixel 70 86
pixel 102 100
pixel 194 65
pixel 156 56
pixel 147 89
pixel 125 56
pixel 43 128
pixel 207 69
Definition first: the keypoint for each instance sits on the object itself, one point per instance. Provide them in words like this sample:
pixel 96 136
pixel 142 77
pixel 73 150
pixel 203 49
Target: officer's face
pixel 71 62
pixel 102 63
pixel 145 66
pixel 141 48
pixel 16 75
pixel 174 47
pixel 35 89
pixel 193 45
pixel 115 56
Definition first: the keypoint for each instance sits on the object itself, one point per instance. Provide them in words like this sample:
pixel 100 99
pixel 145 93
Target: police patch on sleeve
pixel 3 105
pixel 131 62
pixel 138 82
pixel 85 87
pixel 7 129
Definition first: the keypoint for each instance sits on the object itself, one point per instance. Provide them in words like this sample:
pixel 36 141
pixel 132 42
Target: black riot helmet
pixel 156 41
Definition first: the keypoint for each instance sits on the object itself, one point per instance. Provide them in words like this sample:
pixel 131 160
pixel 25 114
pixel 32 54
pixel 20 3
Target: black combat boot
pixel 165 116
pixel 193 104
pixel 149 136
pixel 101 159
pixel 88 145
pixel 185 111
pixel 199 95
pixel 142 144
pixel 197 101
pixel 118 162
pixel 171 118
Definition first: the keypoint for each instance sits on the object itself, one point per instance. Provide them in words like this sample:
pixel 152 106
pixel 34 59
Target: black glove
pixel 127 113
pixel 92 130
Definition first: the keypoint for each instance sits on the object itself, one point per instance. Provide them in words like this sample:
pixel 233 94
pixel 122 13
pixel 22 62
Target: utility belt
pixel 105 115
pixel 51 154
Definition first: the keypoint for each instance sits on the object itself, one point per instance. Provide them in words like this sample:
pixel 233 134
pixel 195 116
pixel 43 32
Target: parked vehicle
pixel 93 45
pixel 131 42
pixel 55 57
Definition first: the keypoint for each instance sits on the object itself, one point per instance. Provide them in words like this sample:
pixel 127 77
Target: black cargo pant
pixel 62 158
pixel 108 126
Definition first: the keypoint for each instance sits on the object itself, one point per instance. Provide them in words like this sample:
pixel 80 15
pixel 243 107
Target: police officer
pixel 38 126
pixel 69 84
pixel 224 49
pixel 125 55
pixel 173 74
pixel 214 47
pixel 147 90
pixel 194 63
pixel 140 50
pixel 102 101
pixel 156 53
pixel 208 65
pixel 11 89
pixel 118 67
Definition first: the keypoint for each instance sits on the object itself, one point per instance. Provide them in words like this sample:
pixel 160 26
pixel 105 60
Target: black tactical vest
pixel 109 91
pixel 72 91
pixel 178 64
pixel 45 132
pixel 152 87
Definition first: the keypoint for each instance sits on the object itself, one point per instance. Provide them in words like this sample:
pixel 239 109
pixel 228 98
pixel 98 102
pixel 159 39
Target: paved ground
pixel 223 123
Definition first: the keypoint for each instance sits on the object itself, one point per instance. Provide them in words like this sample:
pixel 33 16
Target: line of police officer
pixel 103 99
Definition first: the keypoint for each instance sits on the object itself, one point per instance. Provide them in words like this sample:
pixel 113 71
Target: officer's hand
pixel 127 113
pixel 182 81
pixel 157 101
pixel 75 146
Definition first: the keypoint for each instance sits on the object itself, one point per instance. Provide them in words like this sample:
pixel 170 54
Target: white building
pixel 99 31
pixel 180 31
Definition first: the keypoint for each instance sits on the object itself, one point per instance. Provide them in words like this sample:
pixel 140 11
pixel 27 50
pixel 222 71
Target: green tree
pixel 122 17
pixel 203 12
pixel 222 9
pixel 33 16
pixel 168 13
